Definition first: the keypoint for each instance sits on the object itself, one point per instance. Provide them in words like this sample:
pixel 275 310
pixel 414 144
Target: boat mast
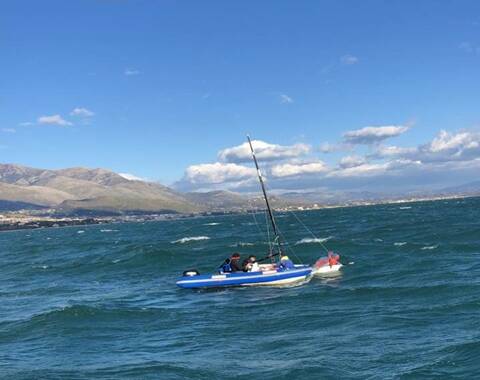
pixel 269 209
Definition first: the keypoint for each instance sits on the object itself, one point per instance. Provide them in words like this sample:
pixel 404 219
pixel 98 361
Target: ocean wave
pixel 405 208
pixel 189 239
pixel 429 247
pixel 80 231
pixel 212 224
pixel 313 240
pixel 107 230
pixel 40 267
pixel 399 244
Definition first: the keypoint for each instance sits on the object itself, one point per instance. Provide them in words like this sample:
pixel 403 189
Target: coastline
pixel 24 221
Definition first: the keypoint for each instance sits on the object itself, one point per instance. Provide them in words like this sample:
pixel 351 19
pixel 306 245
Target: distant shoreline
pixel 24 221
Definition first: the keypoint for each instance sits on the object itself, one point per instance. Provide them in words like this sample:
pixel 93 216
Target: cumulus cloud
pixel 82 112
pixel 263 150
pixel 349 59
pixel 54 120
pixel 456 142
pixel 371 135
pixel 217 172
pixel 391 168
pixel 292 169
pixel 285 99
pixel 445 147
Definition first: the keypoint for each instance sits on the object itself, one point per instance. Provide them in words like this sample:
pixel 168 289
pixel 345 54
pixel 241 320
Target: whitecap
pixel 108 230
pixel 313 240
pixel 80 232
pixel 405 208
pixel 212 224
pixel 190 238
pixel 429 247
pixel 399 244
pixel 377 239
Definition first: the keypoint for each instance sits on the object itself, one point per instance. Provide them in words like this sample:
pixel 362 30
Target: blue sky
pixel 160 87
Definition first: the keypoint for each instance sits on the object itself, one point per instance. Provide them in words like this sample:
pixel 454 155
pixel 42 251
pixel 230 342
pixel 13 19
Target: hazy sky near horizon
pixel 340 94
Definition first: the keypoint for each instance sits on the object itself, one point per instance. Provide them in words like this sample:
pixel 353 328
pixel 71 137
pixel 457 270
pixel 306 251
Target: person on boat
pixel 332 259
pixel 235 263
pixel 225 267
pixel 286 263
pixel 248 264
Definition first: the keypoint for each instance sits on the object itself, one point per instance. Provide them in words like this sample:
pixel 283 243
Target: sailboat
pixel 271 274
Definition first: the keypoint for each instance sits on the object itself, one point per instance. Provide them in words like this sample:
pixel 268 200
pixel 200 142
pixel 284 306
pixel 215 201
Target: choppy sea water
pixel 101 302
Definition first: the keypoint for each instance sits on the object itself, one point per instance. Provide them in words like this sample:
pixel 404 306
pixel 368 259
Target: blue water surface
pixel 101 302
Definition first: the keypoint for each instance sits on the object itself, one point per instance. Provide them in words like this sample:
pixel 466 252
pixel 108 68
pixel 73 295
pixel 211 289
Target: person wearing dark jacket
pixel 235 263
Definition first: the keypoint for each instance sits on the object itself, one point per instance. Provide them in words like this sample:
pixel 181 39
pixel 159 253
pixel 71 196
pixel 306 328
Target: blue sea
pixel 100 301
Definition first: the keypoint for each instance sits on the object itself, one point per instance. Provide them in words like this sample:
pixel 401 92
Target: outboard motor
pixel 190 273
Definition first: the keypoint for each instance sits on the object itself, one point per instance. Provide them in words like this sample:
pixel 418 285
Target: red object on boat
pixel 331 260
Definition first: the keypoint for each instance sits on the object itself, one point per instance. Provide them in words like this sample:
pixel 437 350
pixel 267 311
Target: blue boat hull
pixel 271 277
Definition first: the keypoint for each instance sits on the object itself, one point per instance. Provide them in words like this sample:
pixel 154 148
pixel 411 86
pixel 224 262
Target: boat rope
pixel 310 231
pixel 257 224
pixel 289 248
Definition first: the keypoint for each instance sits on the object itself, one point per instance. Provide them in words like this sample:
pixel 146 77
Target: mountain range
pixel 97 191
pixel 80 189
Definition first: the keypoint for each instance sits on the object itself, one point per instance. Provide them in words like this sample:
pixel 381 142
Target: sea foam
pixel 313 240
pixel 189 238
pixel 428 247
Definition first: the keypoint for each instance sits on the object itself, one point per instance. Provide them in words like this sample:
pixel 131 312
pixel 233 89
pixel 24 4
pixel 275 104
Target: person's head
pixel 252 258
pixel 235 256
pixel 284 258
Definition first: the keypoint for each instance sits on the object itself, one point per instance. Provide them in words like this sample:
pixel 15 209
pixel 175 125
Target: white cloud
pixel 54 120
pixel 9 130
pixel 218 172
pixel 130 72
pixel 285 99
pixel 25 124
pixel 459 141
pixel 371 135
pixel 292 169
pixel 83 112
pixel 445 147
pixel 349 59
pixel 391 168
pixel 352 161
pixel 263 150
